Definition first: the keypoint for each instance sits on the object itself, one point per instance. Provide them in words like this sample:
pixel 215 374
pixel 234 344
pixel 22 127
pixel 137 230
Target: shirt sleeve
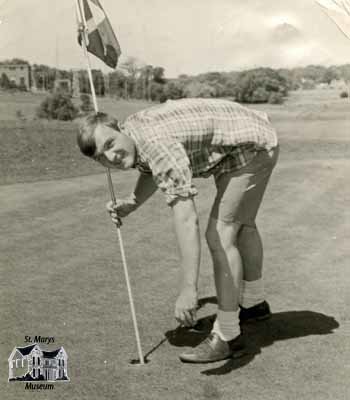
pixel 171 169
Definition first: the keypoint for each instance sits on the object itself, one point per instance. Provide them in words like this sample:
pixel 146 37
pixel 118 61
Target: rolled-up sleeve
pixel 171 169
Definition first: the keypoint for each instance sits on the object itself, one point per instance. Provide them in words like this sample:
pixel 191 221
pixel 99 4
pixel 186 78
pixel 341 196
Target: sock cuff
pixel 227 316
pixel 226 325
pixel 252 293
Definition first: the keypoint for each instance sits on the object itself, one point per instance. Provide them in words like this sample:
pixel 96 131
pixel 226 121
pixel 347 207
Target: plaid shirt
pixel 187 138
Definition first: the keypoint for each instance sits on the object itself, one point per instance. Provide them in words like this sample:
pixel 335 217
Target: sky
pixel 183 36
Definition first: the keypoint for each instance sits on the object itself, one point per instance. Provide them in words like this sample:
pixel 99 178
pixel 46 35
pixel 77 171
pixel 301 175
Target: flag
pixel 98 32
pixel 339 12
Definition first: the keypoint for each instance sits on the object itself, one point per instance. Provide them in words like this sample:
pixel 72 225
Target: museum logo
pixel 33 365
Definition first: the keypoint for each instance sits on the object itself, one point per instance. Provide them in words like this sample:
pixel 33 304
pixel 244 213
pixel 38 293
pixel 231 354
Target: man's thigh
pixel 239 194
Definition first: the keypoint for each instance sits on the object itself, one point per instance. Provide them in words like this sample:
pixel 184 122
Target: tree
pixel 5 82
pixel 198 89
pixel 147 76
pixel 313 72
pixel 121 84
pixel 84 83
pixel 132 66
pixel 173 90
pixel 44 76
pixel 14 61
pixel 99 82
pixel 158 75
pixel 142 82
pixel 157 91
pixel 117 83
pixel 344 72
pixel 329 75
pixel 86 104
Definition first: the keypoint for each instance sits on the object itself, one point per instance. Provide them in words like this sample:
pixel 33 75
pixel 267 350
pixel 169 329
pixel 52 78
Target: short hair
pixel 86 134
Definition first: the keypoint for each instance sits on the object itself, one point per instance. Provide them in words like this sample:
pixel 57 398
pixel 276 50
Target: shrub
pixel 275 98
pixel 256 86
pixel 57 106
pixel 344 94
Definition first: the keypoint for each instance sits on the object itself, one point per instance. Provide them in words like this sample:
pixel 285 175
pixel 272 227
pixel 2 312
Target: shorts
pixel 239 193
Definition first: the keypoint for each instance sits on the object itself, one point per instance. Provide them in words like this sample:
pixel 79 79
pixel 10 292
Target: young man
pixel 183 139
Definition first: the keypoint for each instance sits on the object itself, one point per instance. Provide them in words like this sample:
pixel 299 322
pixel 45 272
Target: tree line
pixel 136 80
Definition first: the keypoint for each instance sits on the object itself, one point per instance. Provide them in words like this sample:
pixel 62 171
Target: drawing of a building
pixel 31 363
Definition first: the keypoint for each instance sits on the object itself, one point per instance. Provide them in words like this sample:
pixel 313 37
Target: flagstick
pixel 113 198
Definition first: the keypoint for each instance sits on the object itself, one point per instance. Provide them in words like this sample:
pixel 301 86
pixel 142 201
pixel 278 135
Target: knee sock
pixel 252 293
pixel 226 325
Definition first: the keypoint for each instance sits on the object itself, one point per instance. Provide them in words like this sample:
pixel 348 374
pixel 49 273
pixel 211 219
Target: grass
pixel 61 274
pixel 35 149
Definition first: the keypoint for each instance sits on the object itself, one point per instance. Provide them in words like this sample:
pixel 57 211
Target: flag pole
pixel 81 13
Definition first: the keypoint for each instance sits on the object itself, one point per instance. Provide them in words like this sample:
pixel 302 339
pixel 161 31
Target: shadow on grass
pixel 281 326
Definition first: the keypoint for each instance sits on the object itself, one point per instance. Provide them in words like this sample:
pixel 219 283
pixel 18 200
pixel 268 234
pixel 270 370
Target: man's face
pixel 114 149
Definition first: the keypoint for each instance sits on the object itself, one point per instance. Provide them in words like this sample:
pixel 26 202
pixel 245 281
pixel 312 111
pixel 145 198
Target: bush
pixel 86 104
pixel 275 98
pixel 57 106
pixel 257 85
pixel 344 94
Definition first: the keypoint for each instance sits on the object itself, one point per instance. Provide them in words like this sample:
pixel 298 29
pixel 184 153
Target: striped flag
pixel 339 12
pixel 99 36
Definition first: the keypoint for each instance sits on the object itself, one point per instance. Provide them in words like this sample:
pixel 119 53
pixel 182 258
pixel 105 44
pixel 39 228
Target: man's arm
pixel 144 189
pixel 187 232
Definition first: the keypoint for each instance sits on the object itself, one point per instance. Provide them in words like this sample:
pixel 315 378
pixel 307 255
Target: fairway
pixel 61 275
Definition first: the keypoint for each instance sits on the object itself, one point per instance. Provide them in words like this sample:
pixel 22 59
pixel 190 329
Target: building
pixel 63 85
pixel 32 363
pixel 17 73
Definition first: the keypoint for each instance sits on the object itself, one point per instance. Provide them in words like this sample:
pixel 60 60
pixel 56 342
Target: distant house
pixel 63 85
pixel 31 363
pixel 17 73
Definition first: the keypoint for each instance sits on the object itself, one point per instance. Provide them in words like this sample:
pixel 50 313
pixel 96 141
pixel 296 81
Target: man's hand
pixel 121 209
pixel 186 306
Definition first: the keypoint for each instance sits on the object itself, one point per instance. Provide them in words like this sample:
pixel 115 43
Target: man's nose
pixel 110 156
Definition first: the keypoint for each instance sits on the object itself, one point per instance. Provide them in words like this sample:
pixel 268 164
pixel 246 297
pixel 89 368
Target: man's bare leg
pixel 222 238
pixel 251 250
pixel 252 299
